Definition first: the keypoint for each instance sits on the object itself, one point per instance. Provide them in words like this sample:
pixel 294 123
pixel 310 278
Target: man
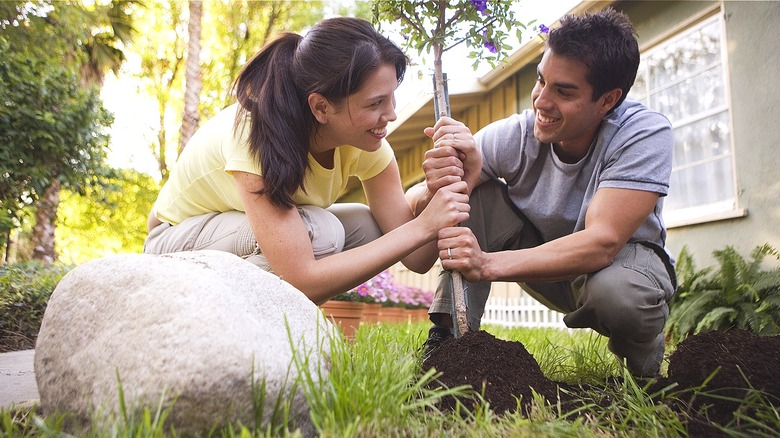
pixel 566 199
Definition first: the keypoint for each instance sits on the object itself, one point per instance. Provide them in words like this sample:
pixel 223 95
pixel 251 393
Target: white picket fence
pixel 522 311
pixel 508 305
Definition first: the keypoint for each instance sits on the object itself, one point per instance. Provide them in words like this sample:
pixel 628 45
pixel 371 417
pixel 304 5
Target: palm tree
pixel 194 83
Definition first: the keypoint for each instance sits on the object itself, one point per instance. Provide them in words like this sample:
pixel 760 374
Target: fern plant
pixel 740 294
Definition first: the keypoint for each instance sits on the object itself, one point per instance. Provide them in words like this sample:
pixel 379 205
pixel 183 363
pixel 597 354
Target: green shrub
pixel 739 294
pixel 25 289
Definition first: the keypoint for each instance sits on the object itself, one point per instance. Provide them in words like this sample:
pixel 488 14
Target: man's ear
pixel 320 107
pixel 609 99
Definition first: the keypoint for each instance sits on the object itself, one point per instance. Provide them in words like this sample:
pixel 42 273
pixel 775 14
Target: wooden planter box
pixel 345 314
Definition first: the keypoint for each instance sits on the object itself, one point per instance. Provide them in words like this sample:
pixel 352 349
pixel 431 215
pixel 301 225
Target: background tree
pixel 231 33
pixel 81 39
pixel 95 51
pixel 106 220
pixel 234 32
pixel 161 49
pixel 53 132
pixel 193 82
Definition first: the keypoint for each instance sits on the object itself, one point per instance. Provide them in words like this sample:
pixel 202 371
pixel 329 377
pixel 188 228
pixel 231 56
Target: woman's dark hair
pixel 604 41
pixel 333 59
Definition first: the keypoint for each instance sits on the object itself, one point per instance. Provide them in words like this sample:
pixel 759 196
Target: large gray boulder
pixel 195 329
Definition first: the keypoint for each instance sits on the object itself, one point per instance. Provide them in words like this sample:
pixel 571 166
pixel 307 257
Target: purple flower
pixel 490 45
pixel 363 290
pixel 480 6
pixel 543 29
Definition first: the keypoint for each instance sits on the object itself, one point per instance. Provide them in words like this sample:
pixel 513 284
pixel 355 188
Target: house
pixel 712 67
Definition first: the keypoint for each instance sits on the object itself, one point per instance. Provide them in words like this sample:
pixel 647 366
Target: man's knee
pixel 632 306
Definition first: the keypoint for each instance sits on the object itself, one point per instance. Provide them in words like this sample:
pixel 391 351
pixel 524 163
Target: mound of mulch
pixel 504 372
pixel 740 360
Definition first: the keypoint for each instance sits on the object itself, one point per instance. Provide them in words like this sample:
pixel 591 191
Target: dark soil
pixel 505 373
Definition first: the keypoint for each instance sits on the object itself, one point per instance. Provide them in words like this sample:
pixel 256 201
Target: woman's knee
pixel 359 224
pixel 325 230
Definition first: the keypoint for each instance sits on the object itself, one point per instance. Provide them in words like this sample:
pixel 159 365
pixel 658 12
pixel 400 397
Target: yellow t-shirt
pixel 201 182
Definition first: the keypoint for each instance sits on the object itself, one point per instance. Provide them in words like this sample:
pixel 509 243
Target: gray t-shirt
pixel 633 150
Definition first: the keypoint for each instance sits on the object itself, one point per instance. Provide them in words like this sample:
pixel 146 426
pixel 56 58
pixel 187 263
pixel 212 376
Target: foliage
pixel 57 53
pixel 109 28
pixel 354 296
pixel 440 25
pixel 739 294
pixel 25 289
pixel 109 219
pixel 50 129
pixel 86 37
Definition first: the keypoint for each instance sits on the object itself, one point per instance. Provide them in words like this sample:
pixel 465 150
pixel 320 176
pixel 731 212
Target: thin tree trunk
pixel 194 83
pixel 442 105
pixel 162 165
pixel 7 250
pixel 45 222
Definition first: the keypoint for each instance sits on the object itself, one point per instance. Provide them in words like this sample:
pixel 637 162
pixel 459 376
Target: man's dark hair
pixel 605 42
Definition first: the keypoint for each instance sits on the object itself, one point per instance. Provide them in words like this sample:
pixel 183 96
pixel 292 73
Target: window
pixel 684 79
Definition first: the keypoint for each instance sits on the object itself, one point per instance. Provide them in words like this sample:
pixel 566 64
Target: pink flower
pixel 382 288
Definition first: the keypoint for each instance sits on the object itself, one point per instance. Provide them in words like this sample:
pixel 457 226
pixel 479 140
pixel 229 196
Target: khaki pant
pixel 338 228
pixel 626 301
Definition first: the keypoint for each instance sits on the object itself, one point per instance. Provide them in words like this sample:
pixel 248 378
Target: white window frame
pixel 727 208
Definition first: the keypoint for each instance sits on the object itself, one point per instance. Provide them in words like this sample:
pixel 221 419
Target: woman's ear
pixel 319 107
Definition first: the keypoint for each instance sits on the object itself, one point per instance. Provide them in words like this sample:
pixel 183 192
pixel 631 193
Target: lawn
pixel 377 388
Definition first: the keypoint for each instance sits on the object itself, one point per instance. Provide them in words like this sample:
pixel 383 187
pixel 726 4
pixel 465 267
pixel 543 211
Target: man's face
pixel 566 114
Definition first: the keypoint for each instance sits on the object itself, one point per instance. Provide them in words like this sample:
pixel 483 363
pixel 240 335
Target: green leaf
pixel 715 320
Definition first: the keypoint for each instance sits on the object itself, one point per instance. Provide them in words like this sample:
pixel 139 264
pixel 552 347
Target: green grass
pixel 376 389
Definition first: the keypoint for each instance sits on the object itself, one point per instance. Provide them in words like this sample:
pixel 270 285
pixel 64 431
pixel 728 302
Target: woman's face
pixel 361 119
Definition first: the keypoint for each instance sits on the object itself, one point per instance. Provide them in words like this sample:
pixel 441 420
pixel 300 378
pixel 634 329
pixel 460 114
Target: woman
pixel 260 179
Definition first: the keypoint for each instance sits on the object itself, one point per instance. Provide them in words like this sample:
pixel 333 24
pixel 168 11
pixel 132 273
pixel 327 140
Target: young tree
pixel 485 26
pixel 439 25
